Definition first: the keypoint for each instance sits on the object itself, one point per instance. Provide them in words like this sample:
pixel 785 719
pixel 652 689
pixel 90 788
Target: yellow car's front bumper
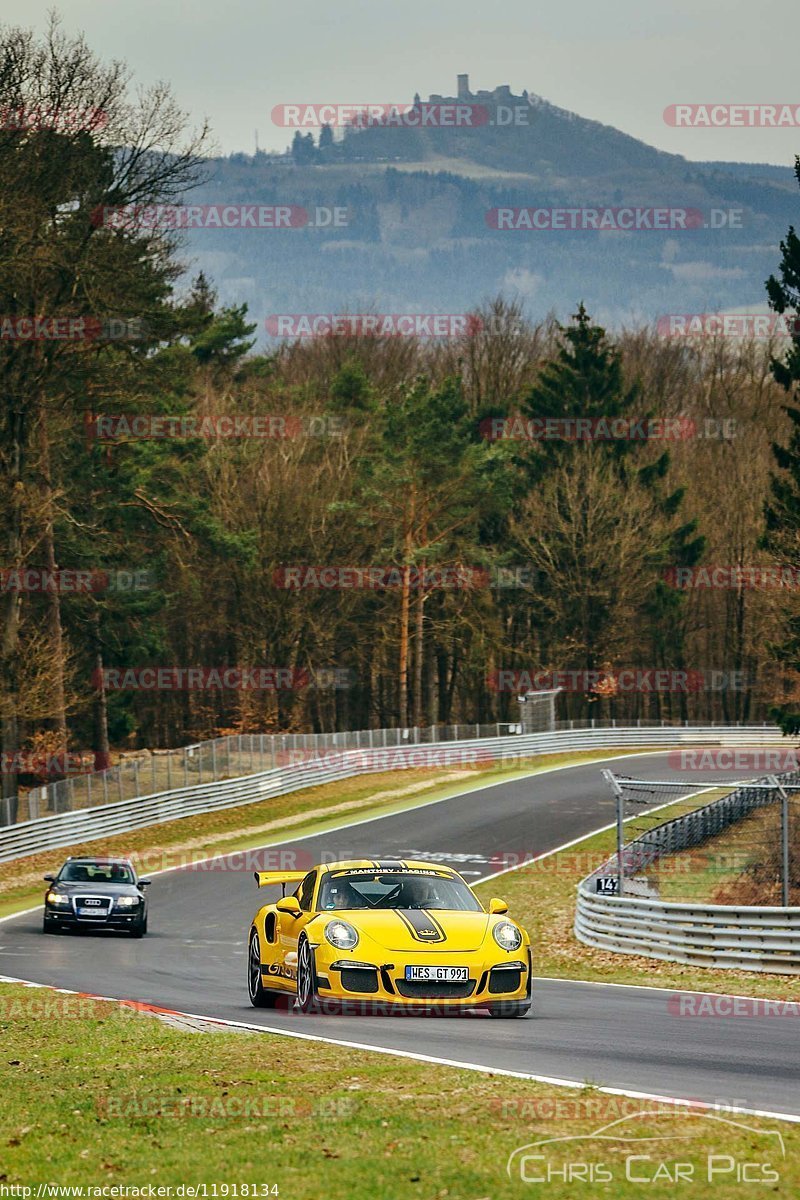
pixel 492 981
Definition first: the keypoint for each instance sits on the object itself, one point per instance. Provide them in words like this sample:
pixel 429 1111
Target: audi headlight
pixel 127 901
pixel 58 899
pixel 507 936
pixel 341 934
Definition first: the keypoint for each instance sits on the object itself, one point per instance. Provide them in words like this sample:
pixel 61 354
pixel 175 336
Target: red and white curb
pixel 170 1016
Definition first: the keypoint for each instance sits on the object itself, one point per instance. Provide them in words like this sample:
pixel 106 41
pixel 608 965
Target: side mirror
pixel 144 883
pixel 496 907
pixel 49 878
pixel 289 905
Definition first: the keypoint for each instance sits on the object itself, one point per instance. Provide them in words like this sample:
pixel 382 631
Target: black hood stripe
pixel 421 924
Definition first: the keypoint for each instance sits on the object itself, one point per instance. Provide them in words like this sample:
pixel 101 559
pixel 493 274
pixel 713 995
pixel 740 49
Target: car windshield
pixel 394 889
pixel 95 872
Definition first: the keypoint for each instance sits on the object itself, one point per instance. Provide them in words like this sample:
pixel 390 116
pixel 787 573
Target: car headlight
pixel 507 936
pixel 341 934
pixel 58 899
pixel 127 901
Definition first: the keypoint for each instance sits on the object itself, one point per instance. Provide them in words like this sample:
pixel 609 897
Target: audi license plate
pixel 438 974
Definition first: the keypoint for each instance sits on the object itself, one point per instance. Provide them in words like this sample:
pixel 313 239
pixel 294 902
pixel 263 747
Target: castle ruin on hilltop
pixel 499 95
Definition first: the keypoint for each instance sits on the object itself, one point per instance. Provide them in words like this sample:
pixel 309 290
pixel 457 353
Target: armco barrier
pixel 711 935
pixel 231 756
pixel 742 937
pixel 65 829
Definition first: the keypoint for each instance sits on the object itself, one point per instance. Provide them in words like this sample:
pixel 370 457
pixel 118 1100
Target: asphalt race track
pixel 193 960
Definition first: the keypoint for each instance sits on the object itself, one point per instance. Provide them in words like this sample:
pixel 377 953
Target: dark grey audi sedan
pixel 96 893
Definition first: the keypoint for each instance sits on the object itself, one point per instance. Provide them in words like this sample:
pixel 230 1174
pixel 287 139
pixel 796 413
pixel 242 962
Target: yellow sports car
pixel 385 934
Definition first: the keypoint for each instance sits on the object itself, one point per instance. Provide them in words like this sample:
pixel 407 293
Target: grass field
pixel 102 1097
pixel 740 866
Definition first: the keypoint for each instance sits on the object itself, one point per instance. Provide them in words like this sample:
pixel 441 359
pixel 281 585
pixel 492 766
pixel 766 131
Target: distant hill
pixel 523 133
pixel 419 235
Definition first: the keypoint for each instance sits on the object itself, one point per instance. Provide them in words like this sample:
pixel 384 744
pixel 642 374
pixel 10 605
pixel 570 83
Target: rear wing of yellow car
pixel 273 878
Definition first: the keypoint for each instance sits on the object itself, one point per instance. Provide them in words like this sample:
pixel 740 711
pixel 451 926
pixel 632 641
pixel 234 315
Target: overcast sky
pixel 620 63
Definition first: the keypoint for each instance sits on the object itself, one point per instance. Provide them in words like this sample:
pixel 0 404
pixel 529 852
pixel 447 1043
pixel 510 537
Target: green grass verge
pixel 742 865
pixel 100 1098
pixel 312 810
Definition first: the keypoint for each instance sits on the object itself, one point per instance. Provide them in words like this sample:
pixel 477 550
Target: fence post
pixel 185 767
pixel 213 760
pixel 610 778
pixel 784 840
pixel 136 777
pixel 89 790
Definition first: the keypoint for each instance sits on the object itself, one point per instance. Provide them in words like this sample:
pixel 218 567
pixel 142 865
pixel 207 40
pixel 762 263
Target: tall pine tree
pixel 782 510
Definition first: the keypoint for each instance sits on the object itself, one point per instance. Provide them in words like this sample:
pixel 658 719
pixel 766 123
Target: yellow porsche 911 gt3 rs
pixel 385 934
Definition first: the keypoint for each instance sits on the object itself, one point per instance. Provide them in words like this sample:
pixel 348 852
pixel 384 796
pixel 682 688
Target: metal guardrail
pixel 67 829
pixel 714 935
pixel 744 937
pixel 145 773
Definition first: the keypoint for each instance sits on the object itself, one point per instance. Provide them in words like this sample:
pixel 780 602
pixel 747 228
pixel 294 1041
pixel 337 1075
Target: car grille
pixel 100 907
pixel 359 979
pixel 505 980
pixel 427 990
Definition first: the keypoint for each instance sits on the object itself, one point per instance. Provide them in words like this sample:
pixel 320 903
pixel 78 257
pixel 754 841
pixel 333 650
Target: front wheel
pixel 259 996
pixel 510 1008
pixel 307 999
